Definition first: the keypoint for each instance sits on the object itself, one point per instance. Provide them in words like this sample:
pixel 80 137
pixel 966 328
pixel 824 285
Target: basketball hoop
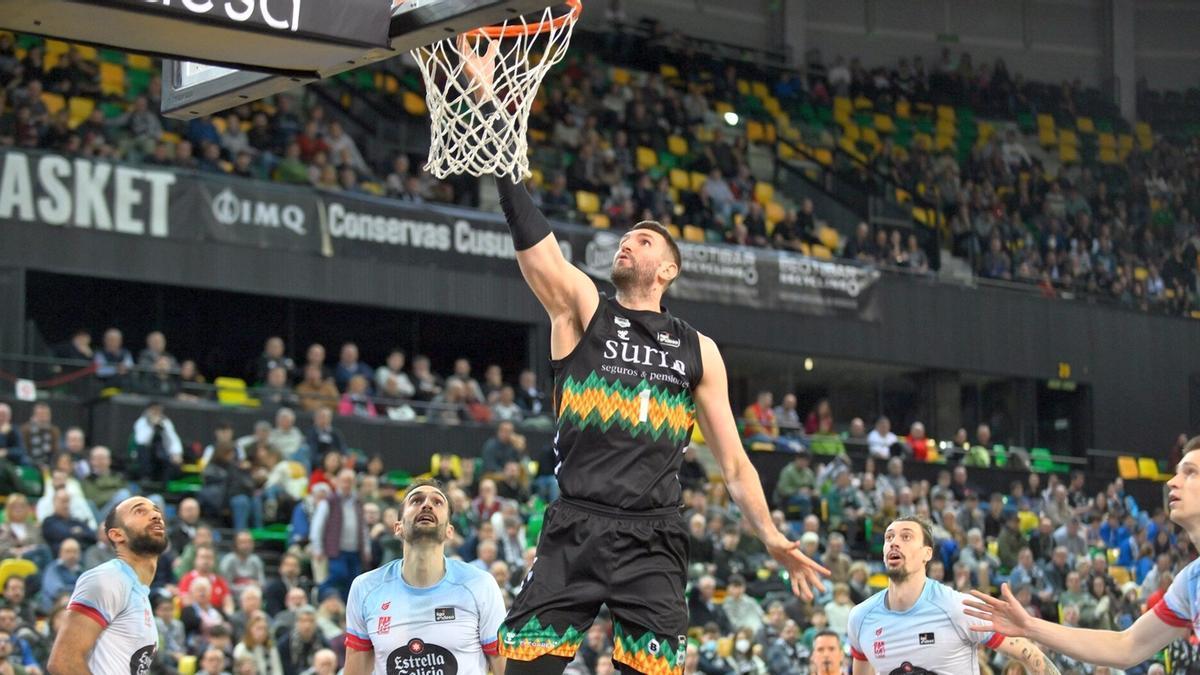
pixel 476 133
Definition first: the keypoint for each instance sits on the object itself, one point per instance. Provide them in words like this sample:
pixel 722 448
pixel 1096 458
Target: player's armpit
pixel 71 647
pixel 359 662
pixel 1036 662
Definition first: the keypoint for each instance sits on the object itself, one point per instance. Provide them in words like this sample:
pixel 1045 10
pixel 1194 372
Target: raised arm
pixel 716 421
pixel 1124 649
pixel 567 294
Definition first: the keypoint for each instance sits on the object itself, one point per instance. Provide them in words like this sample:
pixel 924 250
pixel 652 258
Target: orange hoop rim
pixel 507 31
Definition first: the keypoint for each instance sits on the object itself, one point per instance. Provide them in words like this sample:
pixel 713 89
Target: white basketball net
pixel 488 136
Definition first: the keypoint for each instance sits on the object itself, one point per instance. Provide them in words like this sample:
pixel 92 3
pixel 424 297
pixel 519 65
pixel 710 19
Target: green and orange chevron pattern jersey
pixel 533 640
pixel 650 654
pixel 640 410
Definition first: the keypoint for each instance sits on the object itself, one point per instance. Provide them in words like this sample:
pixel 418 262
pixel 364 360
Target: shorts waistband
pixel 612 512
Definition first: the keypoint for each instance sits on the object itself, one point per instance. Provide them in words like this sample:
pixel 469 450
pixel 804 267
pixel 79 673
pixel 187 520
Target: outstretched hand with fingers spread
pixel 805 572
pixel 480 70
pixel 1003 615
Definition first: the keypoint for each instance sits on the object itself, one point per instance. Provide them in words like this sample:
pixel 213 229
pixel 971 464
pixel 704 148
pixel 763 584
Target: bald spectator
pixel 702 609
pixel 59 578
pixel 273 356
pixel 339 534
pixel 103 488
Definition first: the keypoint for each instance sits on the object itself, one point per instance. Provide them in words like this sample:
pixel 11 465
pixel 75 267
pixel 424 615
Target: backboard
pixel 192 89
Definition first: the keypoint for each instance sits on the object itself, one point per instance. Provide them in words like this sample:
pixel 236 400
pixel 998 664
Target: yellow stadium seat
pixel 841 104
pixel 943 142
pixel 884 124
pixel 775 213
pixel 1068 154
pixel 760 90
pixel 56 47
pixel 693 233
pixel 1120 575
pixel 587 202
pixel 1148 468
pixel 785 151
pixel 668 71
pixel 829 237
pixel 414 104
pixel 538 136
pixel 945 112
pixel 187 665
pixel 620 76
pixel 822 252
pixel 1106 140
pixel 1127 467
pixel 139 62
pixel 823 156
pixel 697 180
pixel 86 52
pixel 764 192
pixel 743 87
pixel 600 221
pixel 112 79
pixel 18 567
pixel 772 105
pixel 1145 143
pixel 1027 521
pixel 986 130
pixel 755 132
pixel 878 581
pixel 1085 125
pixel 536 177
pixel 945 127
pixel 646 158
pixel 674 231
pixel 677 145
pixel 679 179
pixel 80 107
pixel 54 102
pixel 851 132
pixel 1068 137
pixel 1045 121
pixel 903 109
pixel 231 391
pixel 1142 129
pixel 863 103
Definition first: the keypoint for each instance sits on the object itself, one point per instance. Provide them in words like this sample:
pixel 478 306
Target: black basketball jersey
pixel 625 408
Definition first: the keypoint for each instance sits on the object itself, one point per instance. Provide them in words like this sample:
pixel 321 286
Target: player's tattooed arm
pixel 1036 662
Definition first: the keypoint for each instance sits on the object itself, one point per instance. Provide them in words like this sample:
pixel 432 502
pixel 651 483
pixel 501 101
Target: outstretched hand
pixel 805 572
pixel 480 70
pixel 1003 615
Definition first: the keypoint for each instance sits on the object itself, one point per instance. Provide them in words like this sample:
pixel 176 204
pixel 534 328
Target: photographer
pixel 159 452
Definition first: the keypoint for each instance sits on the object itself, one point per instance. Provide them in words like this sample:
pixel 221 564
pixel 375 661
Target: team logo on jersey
pixel 623 334
pixel 384 606
pixel 679 367
pixel 652 647
pixel 879 631
pixel 907 668
pixel 666 339
pixel 621 321
pixel 147 618
pixel 385 625
pixel 142 659
pixel 925 639
pixel 443 614
pixel 880 649
pixel 421 658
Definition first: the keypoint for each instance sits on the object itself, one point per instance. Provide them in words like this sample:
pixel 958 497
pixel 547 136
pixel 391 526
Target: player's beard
pixel 424 534
pixel 898 575
pixel 144 543
pixel 635 279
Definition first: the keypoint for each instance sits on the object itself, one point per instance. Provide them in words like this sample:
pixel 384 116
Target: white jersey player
pixel 424 614
pixel 919 626
pixel 1176 616
pixel 110 629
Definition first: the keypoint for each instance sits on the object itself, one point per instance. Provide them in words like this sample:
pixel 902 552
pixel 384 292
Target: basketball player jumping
pixel 918 625
pixel 630 381
pixel 110 629
pixel 1176 616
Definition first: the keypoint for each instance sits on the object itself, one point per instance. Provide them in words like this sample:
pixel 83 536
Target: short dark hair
pixel 736 580
pixel 1192 444
pixel 112 520
pixel 657 227
pixel 926 529
pixel 433 483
